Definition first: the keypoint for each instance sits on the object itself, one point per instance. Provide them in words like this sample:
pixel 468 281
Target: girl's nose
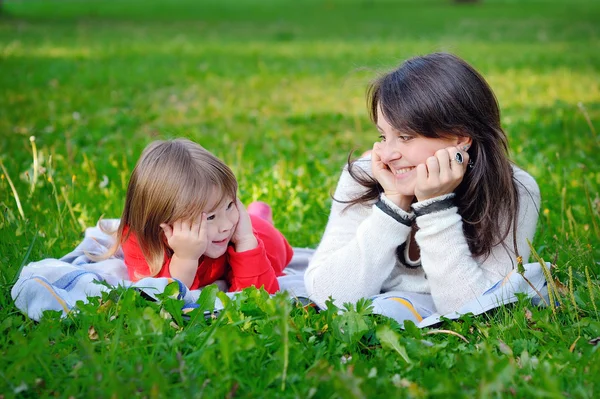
pixel 225 225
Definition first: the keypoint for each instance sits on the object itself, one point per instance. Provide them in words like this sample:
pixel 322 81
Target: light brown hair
pixel 172 180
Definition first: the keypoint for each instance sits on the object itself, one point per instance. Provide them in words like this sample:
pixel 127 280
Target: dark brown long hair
pixel 440 95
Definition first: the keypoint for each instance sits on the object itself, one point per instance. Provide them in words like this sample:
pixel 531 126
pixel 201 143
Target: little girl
pixel 182 219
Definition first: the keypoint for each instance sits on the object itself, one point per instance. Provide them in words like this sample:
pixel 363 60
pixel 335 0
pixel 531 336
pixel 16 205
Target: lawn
pixel 276 88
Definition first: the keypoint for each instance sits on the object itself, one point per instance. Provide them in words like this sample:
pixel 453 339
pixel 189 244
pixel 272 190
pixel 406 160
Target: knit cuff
pixel 433 205
pixel 397 213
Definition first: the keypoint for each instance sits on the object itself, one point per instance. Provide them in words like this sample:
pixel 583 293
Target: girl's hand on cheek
pixel 243 237
pixel 387 180
pixel 440 174
pixel 187 238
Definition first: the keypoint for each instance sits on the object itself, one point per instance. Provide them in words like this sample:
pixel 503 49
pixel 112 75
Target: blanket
pixel 57 284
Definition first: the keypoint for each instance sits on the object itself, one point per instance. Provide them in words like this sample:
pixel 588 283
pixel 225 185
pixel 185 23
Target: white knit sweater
pixel 357 255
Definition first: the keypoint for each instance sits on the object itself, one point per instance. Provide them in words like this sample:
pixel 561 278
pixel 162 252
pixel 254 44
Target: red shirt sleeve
pixel 257 267
pixel 260 266
pixel 137 266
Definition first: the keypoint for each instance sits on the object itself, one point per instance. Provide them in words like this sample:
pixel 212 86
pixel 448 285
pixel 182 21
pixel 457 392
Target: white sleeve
pixel 455 277
pixel 357 251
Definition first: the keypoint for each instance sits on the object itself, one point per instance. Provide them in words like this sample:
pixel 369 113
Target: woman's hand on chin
pixel 441 173
pixel 387 180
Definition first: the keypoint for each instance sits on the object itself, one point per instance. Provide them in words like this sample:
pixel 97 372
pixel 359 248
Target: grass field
pixel 276 89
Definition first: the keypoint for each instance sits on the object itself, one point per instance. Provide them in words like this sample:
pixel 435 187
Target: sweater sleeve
pixel 260 267
pixel 357 251
pixel 455 277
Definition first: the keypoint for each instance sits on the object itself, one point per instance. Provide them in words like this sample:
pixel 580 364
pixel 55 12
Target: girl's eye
pixel 405 138
pixel 211 217
pixel 382 138
pixel 230 205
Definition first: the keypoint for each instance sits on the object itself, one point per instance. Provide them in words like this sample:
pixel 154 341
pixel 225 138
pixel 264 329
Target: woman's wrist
pixel 433 205
pixel 401 201
pixel 391 209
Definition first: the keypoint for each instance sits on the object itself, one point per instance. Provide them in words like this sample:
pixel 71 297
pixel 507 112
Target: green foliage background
pixel 276 89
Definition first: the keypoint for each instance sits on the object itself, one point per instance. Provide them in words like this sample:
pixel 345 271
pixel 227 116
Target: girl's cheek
pixel 211 232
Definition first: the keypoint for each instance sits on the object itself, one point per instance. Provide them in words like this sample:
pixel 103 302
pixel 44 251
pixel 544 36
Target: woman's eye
pixel 211 217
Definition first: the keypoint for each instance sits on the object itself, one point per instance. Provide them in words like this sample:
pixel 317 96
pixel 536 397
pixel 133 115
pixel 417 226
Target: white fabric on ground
pixel 57 284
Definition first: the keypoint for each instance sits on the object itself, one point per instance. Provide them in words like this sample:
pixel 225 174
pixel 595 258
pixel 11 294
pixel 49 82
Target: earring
pixel 465 148
pixel 470 164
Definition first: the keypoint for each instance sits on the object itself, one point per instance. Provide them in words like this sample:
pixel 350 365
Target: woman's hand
pixel 386 179
pixel 441 173
pixel 187 238
pixel 243 236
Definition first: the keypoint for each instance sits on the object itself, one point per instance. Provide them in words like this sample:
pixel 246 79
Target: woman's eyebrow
pixel 394 131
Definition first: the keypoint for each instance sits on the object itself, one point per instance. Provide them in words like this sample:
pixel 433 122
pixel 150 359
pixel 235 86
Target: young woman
pixel 437 213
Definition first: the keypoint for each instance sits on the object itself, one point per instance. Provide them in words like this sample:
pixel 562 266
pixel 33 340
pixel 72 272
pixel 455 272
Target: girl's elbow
pixel 272 288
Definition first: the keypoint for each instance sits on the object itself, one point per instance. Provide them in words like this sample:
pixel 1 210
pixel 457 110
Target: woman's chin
pixel 407 192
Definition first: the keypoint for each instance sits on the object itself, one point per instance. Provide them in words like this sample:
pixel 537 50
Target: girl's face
pixel 222 221
pixel 402 152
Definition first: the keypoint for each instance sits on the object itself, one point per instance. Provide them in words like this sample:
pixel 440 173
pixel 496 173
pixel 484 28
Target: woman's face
pixel 402 152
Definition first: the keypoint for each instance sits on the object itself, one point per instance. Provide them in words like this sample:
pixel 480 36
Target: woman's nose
pixel 389 153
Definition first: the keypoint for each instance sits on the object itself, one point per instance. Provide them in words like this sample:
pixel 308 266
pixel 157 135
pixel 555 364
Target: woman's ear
pixel 464 142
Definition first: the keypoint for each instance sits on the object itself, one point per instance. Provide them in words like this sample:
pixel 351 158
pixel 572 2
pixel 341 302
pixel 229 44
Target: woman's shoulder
pixel 526 185
pixel 347 186
pixel 524 179
pixel 363 163
pixel 361 166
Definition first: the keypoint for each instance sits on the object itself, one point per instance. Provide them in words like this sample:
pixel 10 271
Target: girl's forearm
pixel 183 270
pixel 246 243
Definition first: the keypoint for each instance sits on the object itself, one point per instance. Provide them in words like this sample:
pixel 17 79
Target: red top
pixel 257 267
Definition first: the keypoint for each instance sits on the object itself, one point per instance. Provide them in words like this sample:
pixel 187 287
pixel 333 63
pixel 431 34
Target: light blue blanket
pixel 57 284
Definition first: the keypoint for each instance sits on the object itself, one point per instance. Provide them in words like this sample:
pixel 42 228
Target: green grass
pixel 276 89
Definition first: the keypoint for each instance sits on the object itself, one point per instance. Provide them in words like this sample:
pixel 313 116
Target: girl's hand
pixel 441 173
pixel 187 238
pixel 386 179
pixel 243 236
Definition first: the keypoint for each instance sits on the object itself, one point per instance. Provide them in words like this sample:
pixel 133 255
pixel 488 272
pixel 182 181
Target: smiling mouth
pixel 401 171
pixel 221 242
